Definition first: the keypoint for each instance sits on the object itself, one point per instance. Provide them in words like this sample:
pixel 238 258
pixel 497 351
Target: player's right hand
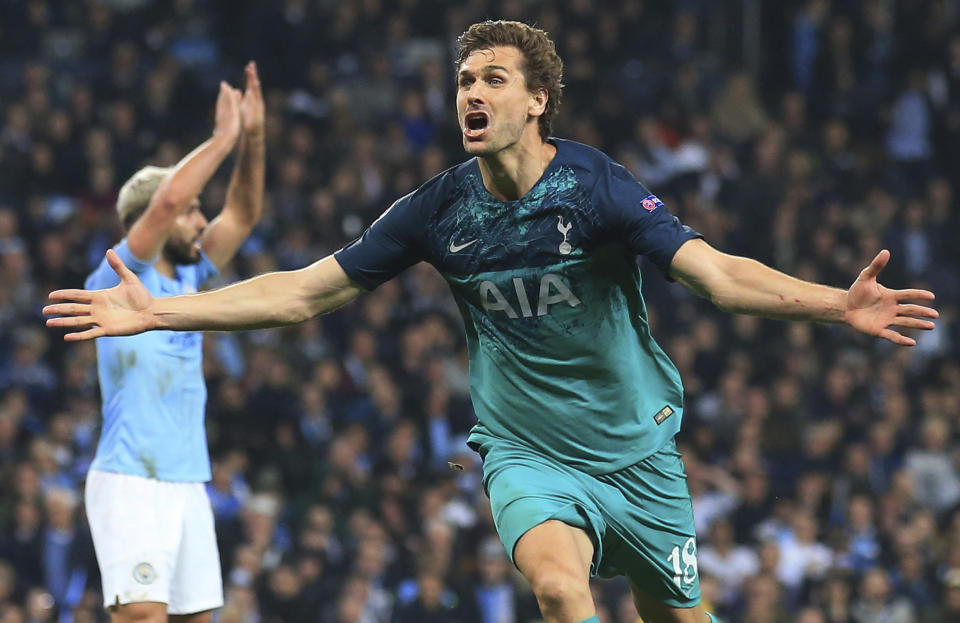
pixel 251 104
pixel 227 115
pixel 121 310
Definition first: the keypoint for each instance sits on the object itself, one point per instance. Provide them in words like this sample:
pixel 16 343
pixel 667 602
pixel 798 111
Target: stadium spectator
pixel 817 225
pixel 878 603
pixel 730 563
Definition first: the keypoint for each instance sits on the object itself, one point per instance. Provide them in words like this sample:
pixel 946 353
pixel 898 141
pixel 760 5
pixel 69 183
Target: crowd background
pixel 823 464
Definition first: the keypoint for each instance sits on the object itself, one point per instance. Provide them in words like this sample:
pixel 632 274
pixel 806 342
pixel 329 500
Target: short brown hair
pixel 542 67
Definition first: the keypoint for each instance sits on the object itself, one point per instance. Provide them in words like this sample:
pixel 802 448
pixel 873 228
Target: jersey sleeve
pixel 640 218
pixel 391 245
pixel 104 277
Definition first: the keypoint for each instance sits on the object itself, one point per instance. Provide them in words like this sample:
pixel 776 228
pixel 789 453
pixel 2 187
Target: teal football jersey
pixel 561 355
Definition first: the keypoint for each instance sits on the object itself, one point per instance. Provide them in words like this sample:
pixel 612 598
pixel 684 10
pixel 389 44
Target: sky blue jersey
pixel 152 385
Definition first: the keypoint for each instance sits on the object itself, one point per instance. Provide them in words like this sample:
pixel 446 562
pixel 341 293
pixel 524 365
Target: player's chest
pixel 161 286
pixel 475 236
pixel 176 344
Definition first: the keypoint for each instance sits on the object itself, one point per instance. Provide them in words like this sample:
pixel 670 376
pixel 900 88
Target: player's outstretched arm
pixel 150 232
pixel 741 285
pixel 270 300
pixel 244 201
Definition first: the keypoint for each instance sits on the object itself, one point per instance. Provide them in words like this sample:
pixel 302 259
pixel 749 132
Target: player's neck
pixel 165 267
pixel 510 173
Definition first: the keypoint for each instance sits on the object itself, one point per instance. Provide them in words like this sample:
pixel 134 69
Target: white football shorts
pixel 155 541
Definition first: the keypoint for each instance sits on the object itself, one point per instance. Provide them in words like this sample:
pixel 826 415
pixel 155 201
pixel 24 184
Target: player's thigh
pixel 135 523
pixel 196 584
pixel 142 612
pixel 554 548
pixel 528 490
pixel 555 557
pixel 652 610
pixel 651 532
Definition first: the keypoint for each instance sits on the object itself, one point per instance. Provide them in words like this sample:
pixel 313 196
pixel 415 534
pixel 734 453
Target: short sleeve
pixel 391 245
pixel 641 218
pixel 104 277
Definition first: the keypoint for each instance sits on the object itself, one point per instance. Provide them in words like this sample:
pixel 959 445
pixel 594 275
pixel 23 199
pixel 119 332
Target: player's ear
pixel 538 102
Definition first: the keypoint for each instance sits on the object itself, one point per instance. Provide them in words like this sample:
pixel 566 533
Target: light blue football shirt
pixel 152 385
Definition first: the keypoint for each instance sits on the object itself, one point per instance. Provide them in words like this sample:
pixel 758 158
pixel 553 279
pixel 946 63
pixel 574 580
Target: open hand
pixel 874 309
pixel 227 114
pixel 251 105
pixel 120 310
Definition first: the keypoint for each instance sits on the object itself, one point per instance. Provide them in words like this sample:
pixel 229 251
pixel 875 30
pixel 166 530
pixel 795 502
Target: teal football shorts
pixel 639 518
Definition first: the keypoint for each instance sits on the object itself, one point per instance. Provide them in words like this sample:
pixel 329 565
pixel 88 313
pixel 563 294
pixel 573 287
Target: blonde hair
pixel 136 193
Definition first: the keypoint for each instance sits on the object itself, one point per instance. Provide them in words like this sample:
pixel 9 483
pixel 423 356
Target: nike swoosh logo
pixel 456 248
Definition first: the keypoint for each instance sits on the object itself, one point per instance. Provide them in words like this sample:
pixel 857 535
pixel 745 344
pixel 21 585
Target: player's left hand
pixel 874 309
pixel 251 106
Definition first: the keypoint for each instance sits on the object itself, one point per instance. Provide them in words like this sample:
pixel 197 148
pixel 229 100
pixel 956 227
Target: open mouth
pixel 475 124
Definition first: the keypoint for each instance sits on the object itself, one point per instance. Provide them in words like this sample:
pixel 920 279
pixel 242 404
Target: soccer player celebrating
pixel 151 521
pixel 577 405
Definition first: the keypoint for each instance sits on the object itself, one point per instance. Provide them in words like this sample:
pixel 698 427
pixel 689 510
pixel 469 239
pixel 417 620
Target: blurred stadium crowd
pixel 824 466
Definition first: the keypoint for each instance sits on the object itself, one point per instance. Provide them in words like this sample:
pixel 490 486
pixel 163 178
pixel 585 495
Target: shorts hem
pixel 676 603
pixel 562 514
pixel 543 517
pixel 200 606
pixel 120 601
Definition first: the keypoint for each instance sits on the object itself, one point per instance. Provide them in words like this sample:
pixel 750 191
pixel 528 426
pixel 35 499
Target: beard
pixel 180 252
pixel 506 134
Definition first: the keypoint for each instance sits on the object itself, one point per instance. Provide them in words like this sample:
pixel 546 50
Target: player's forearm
pixel 195 169
pixel 149 233
pixel 270 300
pixel 749 287
pixel 245 192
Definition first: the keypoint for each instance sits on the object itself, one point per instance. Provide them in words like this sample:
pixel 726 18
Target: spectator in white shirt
pixel 801 555
pixel 729 562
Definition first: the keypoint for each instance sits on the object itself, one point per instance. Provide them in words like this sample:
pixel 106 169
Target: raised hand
pixel 251 105
pixel 120 310
pixel 227 115
pixel 874 309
